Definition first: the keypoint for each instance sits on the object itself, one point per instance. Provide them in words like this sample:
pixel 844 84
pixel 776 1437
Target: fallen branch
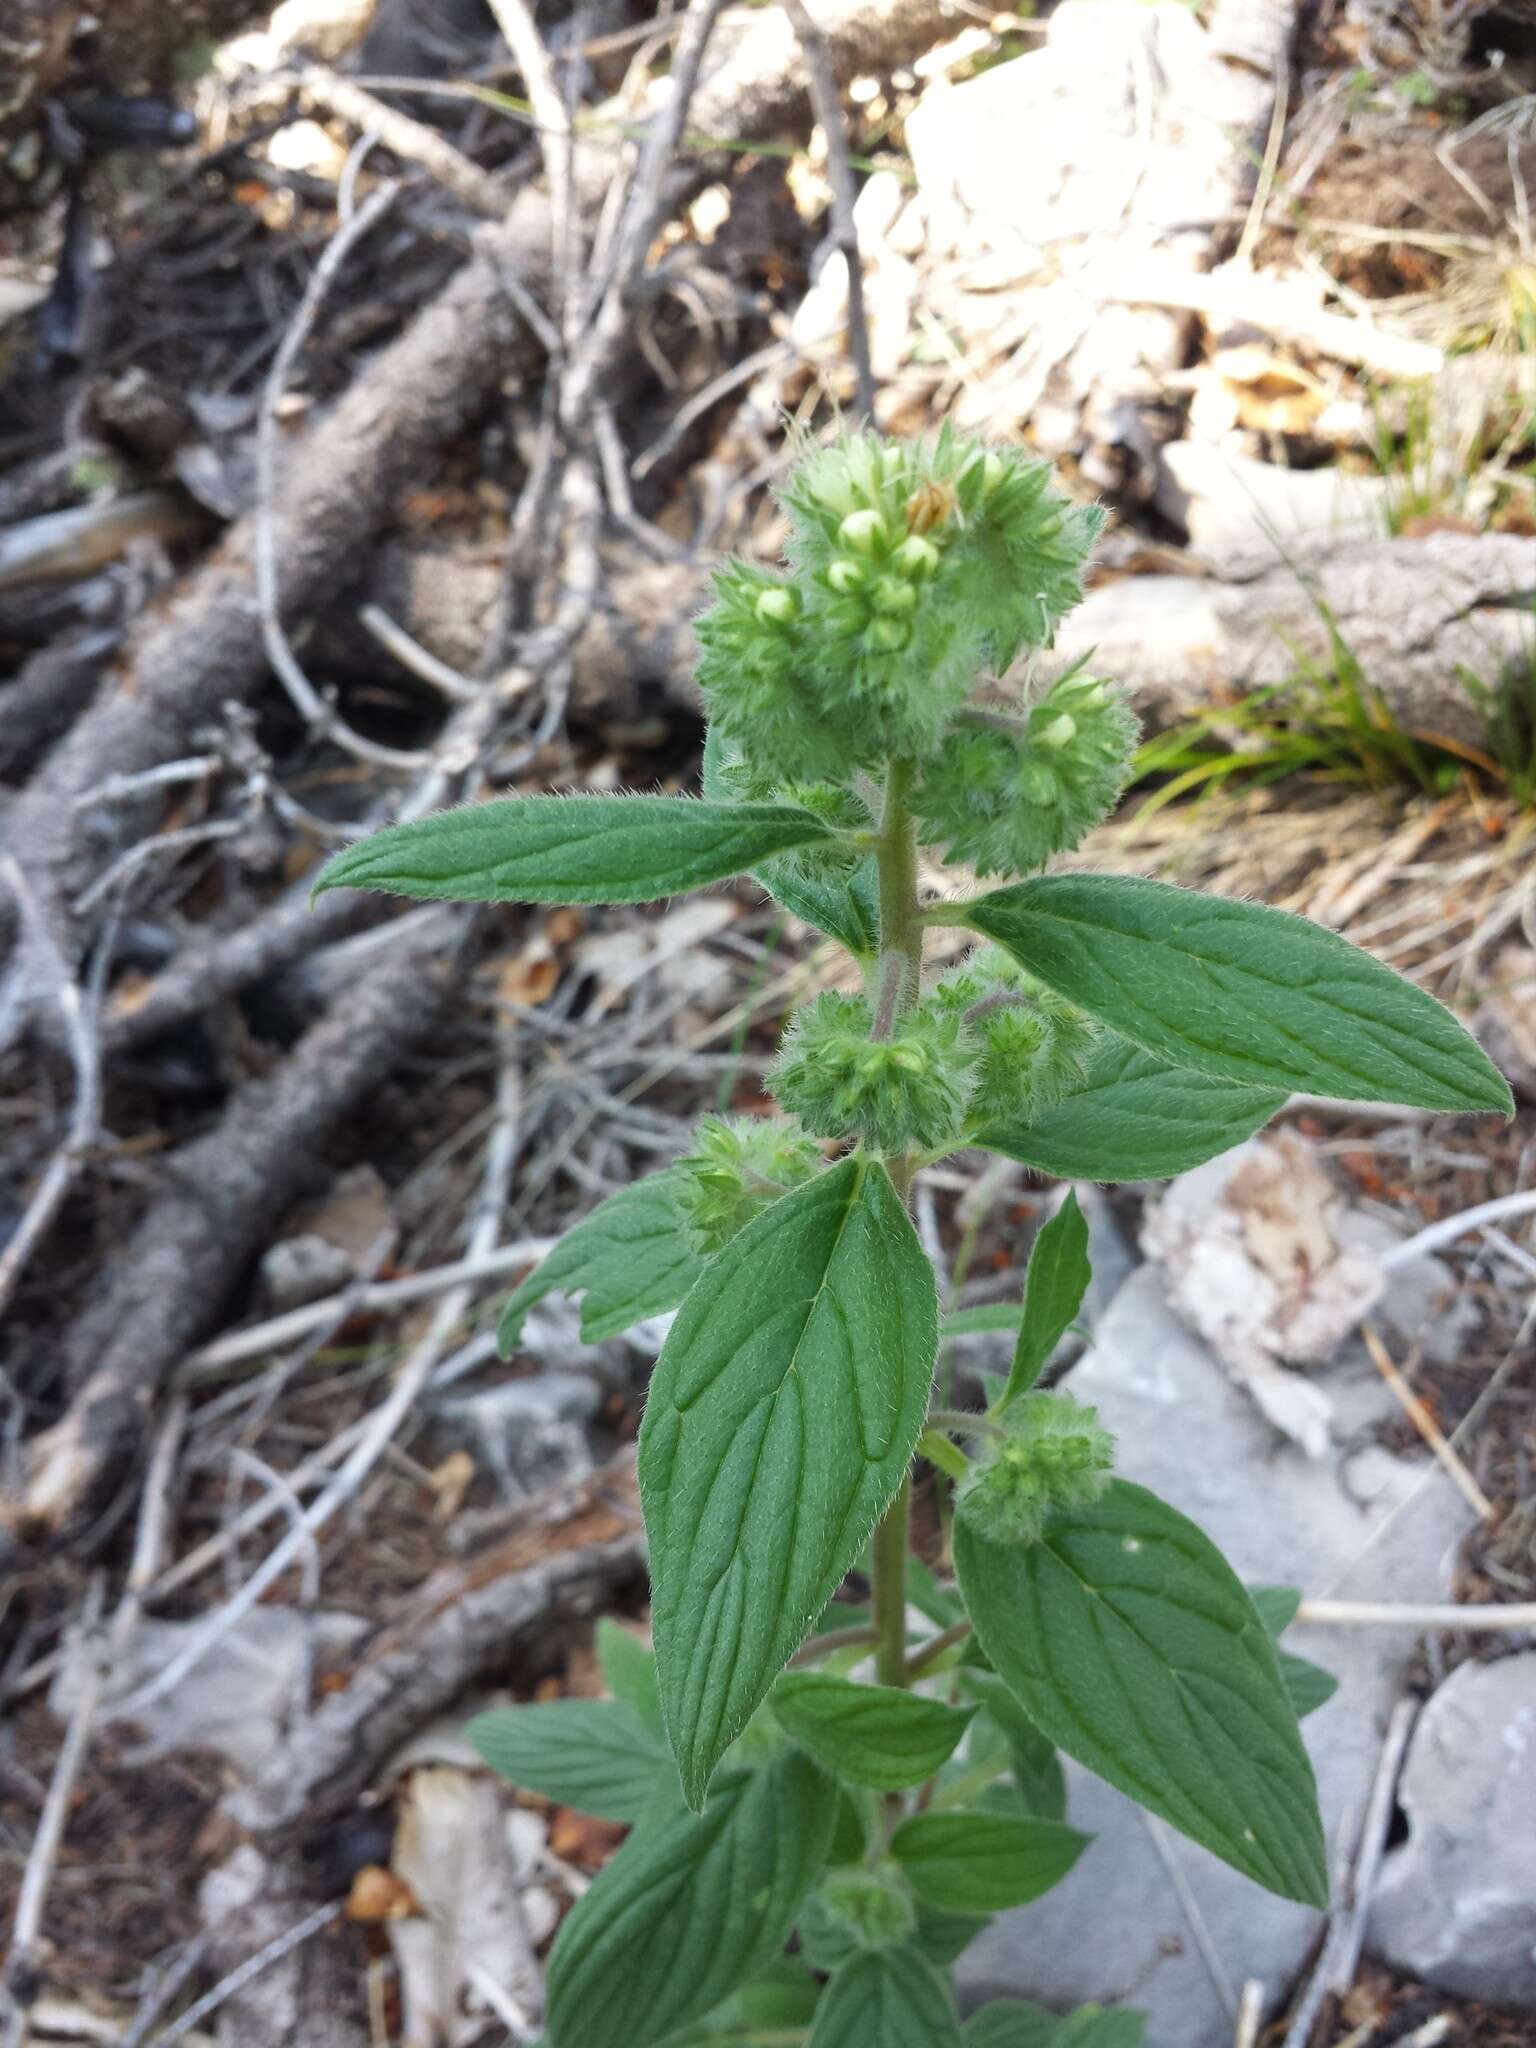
pixel 227 1189
pixel 570 1559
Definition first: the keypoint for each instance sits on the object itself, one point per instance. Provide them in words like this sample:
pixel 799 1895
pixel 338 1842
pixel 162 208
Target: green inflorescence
pixel 1005 795
pixel 907 1091
pixel 914 567
pixel 1056 1454
pixel 1034 1044
pixel 739 1165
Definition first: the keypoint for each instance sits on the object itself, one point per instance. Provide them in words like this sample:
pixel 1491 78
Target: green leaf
pixel 690 1909
pixel 629 1671
pixel 1036 1766
pixel 781 1420
pixel 874 1734
pixel 1241 992
pixel 979 1322
pixel 1308 1685
pixel 785 1995
pixel 970 1862
pixel 1130 1642
pixel 1020 2023
pixel 1276 1607
pixel 1093 2026
pixel 1013 2023
pixel 944 1937
pixel 850 1830
pixel 1136 1118
pixel 570 849
pixel 596 1755
pixel 886 1998
pixel 629 1260
pixel 845 909
pixel 1054 1285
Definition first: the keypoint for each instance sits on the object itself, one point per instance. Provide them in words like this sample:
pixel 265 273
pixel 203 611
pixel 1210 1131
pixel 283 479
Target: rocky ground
pixel 378 390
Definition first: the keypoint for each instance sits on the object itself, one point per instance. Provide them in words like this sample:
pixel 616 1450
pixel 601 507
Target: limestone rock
pixel 1456 1904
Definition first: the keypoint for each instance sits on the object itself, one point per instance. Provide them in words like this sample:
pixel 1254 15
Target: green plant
pixel 1106 1028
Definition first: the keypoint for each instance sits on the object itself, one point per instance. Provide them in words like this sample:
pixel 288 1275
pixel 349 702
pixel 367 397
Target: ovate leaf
pixel 690 1909
pixel 629 1259
pixel 1020 2023
pixel 1013 2023
pixel 975 1862
pixel 874 1734
pixel 944 1937
pixel 886 1998
pixel 1036 1766
pixel 595 1755
pixel 1131 1643
pixel 1308 1685
pixel 1054 1285
pixel 1276 1607
pixel 1136 1118
pixel 1093 2026
pixel 570 849
pixel 781 1420
pixel 629 1671
pixel 1241 992
pixel 845 907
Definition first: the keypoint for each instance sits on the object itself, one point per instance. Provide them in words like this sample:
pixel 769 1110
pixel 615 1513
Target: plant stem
pixel 890 1601
pixel 901 934
pixel 934 1648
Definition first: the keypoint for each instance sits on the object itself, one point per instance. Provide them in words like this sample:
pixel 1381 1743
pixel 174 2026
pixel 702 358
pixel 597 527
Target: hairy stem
pixel 901 936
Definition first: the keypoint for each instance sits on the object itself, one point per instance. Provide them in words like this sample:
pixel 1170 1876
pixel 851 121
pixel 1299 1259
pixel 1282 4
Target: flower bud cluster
pixel 1034 1044
pixel 739 1165
pixel 1004 794
pixel 871 1903
pixel 914 567
pixel 1056 1454
pixel 905 1092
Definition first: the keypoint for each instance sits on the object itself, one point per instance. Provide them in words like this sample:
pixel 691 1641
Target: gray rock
pixel 1456 1904
pixel 1342 1524
pixel 527 1433
pixel 238 1701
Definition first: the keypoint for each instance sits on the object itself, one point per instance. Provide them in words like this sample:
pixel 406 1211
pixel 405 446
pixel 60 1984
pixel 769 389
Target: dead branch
pixel 226 1189
pixel 406 138
pixel 829 112
pixel 575 1552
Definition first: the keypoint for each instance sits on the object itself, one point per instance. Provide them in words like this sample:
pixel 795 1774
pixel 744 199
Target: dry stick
pixel 1250 2015
pixel 553 128
pixel 1425 1423
pixel 285 1943
pixel 405 137
pixel 192 1245
pixel 80 1028
pixel 641 219
pixel 320 716
pixel 501 1154
pixel 1446 1232
pixel 105 1651
pixel 829 112
pixel 1336 1965
pixel 21 1964
pixel 1446 1614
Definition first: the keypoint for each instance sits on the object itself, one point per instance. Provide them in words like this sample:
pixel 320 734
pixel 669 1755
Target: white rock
pixel 1456 1904
pixel 1281 1518
pixel 527 1433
